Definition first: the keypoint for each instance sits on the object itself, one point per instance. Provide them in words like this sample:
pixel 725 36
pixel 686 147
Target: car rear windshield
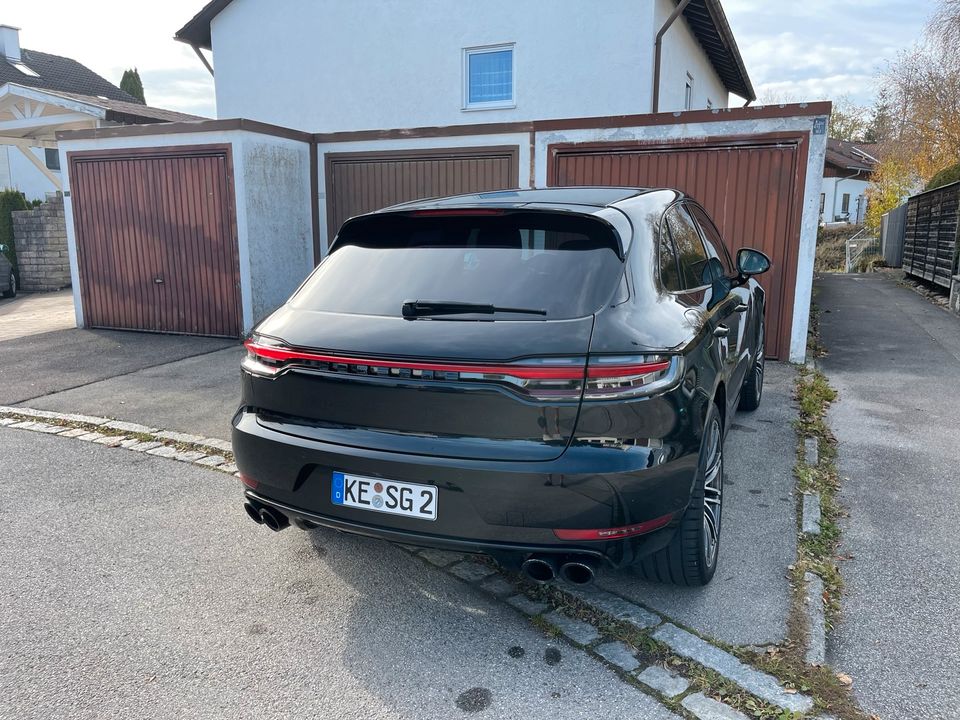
pixel 564 265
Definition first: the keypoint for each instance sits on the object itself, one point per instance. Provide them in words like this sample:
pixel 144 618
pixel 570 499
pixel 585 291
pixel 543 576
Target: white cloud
pixel 821 49
pixel 109 36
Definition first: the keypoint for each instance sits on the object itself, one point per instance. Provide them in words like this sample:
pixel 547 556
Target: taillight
pixel 616 377
pixel 615 533
pixel 550 379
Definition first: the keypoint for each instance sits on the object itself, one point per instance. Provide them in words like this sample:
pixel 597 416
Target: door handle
pixel 742 307
pixel 721 331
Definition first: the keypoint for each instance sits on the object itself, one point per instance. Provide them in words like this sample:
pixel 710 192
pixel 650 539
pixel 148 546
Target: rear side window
pixel 691 254
pixel 714 242
pixel 565 265
pixel 669 273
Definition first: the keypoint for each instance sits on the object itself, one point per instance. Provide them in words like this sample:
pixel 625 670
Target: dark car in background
pixel 8 280
pixel 544 375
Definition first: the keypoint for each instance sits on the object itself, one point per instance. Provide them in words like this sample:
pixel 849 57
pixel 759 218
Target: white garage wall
pixel 276 182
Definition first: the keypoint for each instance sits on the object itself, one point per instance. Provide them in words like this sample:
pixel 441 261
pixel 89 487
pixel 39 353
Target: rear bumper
pixel 501 508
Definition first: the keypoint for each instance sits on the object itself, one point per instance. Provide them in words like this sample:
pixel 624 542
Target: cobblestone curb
pixel 211 453
pixel 590 635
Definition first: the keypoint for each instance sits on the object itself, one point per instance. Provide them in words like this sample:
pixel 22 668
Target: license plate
pixel 386 496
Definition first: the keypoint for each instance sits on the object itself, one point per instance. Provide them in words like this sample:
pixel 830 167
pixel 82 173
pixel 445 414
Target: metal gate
pixel 749 186
pixel 362 182
pixel 156 239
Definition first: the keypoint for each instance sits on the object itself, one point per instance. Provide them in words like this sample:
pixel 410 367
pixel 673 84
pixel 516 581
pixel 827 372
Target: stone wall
pixel 955 294
pixel 41 239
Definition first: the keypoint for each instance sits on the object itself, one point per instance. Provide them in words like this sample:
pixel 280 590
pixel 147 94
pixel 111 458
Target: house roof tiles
pixel 61 74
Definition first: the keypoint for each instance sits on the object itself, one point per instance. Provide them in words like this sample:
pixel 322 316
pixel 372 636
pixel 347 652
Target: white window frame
pixel 468 106
pixel 688 96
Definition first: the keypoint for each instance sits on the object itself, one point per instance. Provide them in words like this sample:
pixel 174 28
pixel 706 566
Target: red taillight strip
pixel 523 372
pixel 609 371
pixel 615 533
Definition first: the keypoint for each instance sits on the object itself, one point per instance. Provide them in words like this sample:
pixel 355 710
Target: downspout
pixel 203 59
pixel 837 195
pixel 657 50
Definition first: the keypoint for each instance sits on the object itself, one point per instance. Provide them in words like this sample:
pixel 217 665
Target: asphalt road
pixel 133 586
pixel 748 601
pixel 895 360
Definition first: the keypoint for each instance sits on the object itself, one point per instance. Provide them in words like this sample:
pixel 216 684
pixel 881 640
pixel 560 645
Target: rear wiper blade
pixel 426 308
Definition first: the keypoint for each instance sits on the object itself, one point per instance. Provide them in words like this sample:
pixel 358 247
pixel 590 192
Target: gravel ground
pixel 133 586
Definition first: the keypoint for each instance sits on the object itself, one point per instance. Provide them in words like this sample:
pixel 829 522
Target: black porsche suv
pixel 543 375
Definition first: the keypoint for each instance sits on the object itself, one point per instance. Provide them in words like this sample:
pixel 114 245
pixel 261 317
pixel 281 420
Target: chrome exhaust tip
pixel 578 572
pixel 539 569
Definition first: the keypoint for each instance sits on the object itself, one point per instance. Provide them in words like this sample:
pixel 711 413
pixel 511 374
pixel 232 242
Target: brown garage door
pixel 156 243
pixel 363 182
pixel 751 188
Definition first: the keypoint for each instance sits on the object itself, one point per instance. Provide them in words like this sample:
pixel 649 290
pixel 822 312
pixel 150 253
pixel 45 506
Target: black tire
pixel 690 559
pixel 752 391
pixel 12 291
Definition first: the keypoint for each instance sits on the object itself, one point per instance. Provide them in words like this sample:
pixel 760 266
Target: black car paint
pixel 608 464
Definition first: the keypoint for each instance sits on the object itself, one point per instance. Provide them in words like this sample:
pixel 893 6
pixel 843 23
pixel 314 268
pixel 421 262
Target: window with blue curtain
pixel 490 76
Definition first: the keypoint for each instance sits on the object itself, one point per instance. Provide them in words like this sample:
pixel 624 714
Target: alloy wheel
pixel 758 367
pixel 712 493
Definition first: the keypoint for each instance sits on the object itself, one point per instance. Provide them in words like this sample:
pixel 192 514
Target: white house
pixel 847 172
pixel 41 94
pixel 328 109
pixel 331 66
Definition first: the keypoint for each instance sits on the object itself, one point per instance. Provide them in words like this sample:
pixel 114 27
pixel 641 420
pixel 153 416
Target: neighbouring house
pixel 330 109
pixel 847 172
pixel 42 93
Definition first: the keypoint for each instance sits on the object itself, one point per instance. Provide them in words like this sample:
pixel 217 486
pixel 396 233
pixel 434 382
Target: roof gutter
pixel 658 46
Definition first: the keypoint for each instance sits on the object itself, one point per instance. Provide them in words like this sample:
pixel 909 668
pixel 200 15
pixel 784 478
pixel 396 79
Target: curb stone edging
pixel 816 620
pixel 211 453
pixel 588 637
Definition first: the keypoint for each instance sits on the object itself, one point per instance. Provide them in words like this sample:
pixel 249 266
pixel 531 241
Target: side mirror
pixel 751 262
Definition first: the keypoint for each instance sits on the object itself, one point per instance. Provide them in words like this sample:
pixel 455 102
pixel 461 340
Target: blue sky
pixel 821 50
pixel 793 50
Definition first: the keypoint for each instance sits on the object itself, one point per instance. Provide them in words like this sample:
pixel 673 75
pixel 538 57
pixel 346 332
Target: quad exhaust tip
pixel 253 513
pixel 576 570
pixel 273 519
pixel 539 569
pixel 579 572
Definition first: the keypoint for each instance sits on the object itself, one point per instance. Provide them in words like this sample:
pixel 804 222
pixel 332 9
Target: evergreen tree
pixel 130 83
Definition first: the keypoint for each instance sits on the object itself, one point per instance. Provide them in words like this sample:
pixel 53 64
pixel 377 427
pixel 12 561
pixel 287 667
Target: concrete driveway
pixel 895 360
pixel 35 313
pixel 135 587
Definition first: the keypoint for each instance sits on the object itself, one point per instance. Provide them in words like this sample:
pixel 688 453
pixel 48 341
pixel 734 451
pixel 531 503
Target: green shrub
pixel 944 177
pixel 11 200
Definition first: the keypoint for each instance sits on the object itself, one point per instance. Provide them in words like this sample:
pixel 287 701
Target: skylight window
pixel 23 68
